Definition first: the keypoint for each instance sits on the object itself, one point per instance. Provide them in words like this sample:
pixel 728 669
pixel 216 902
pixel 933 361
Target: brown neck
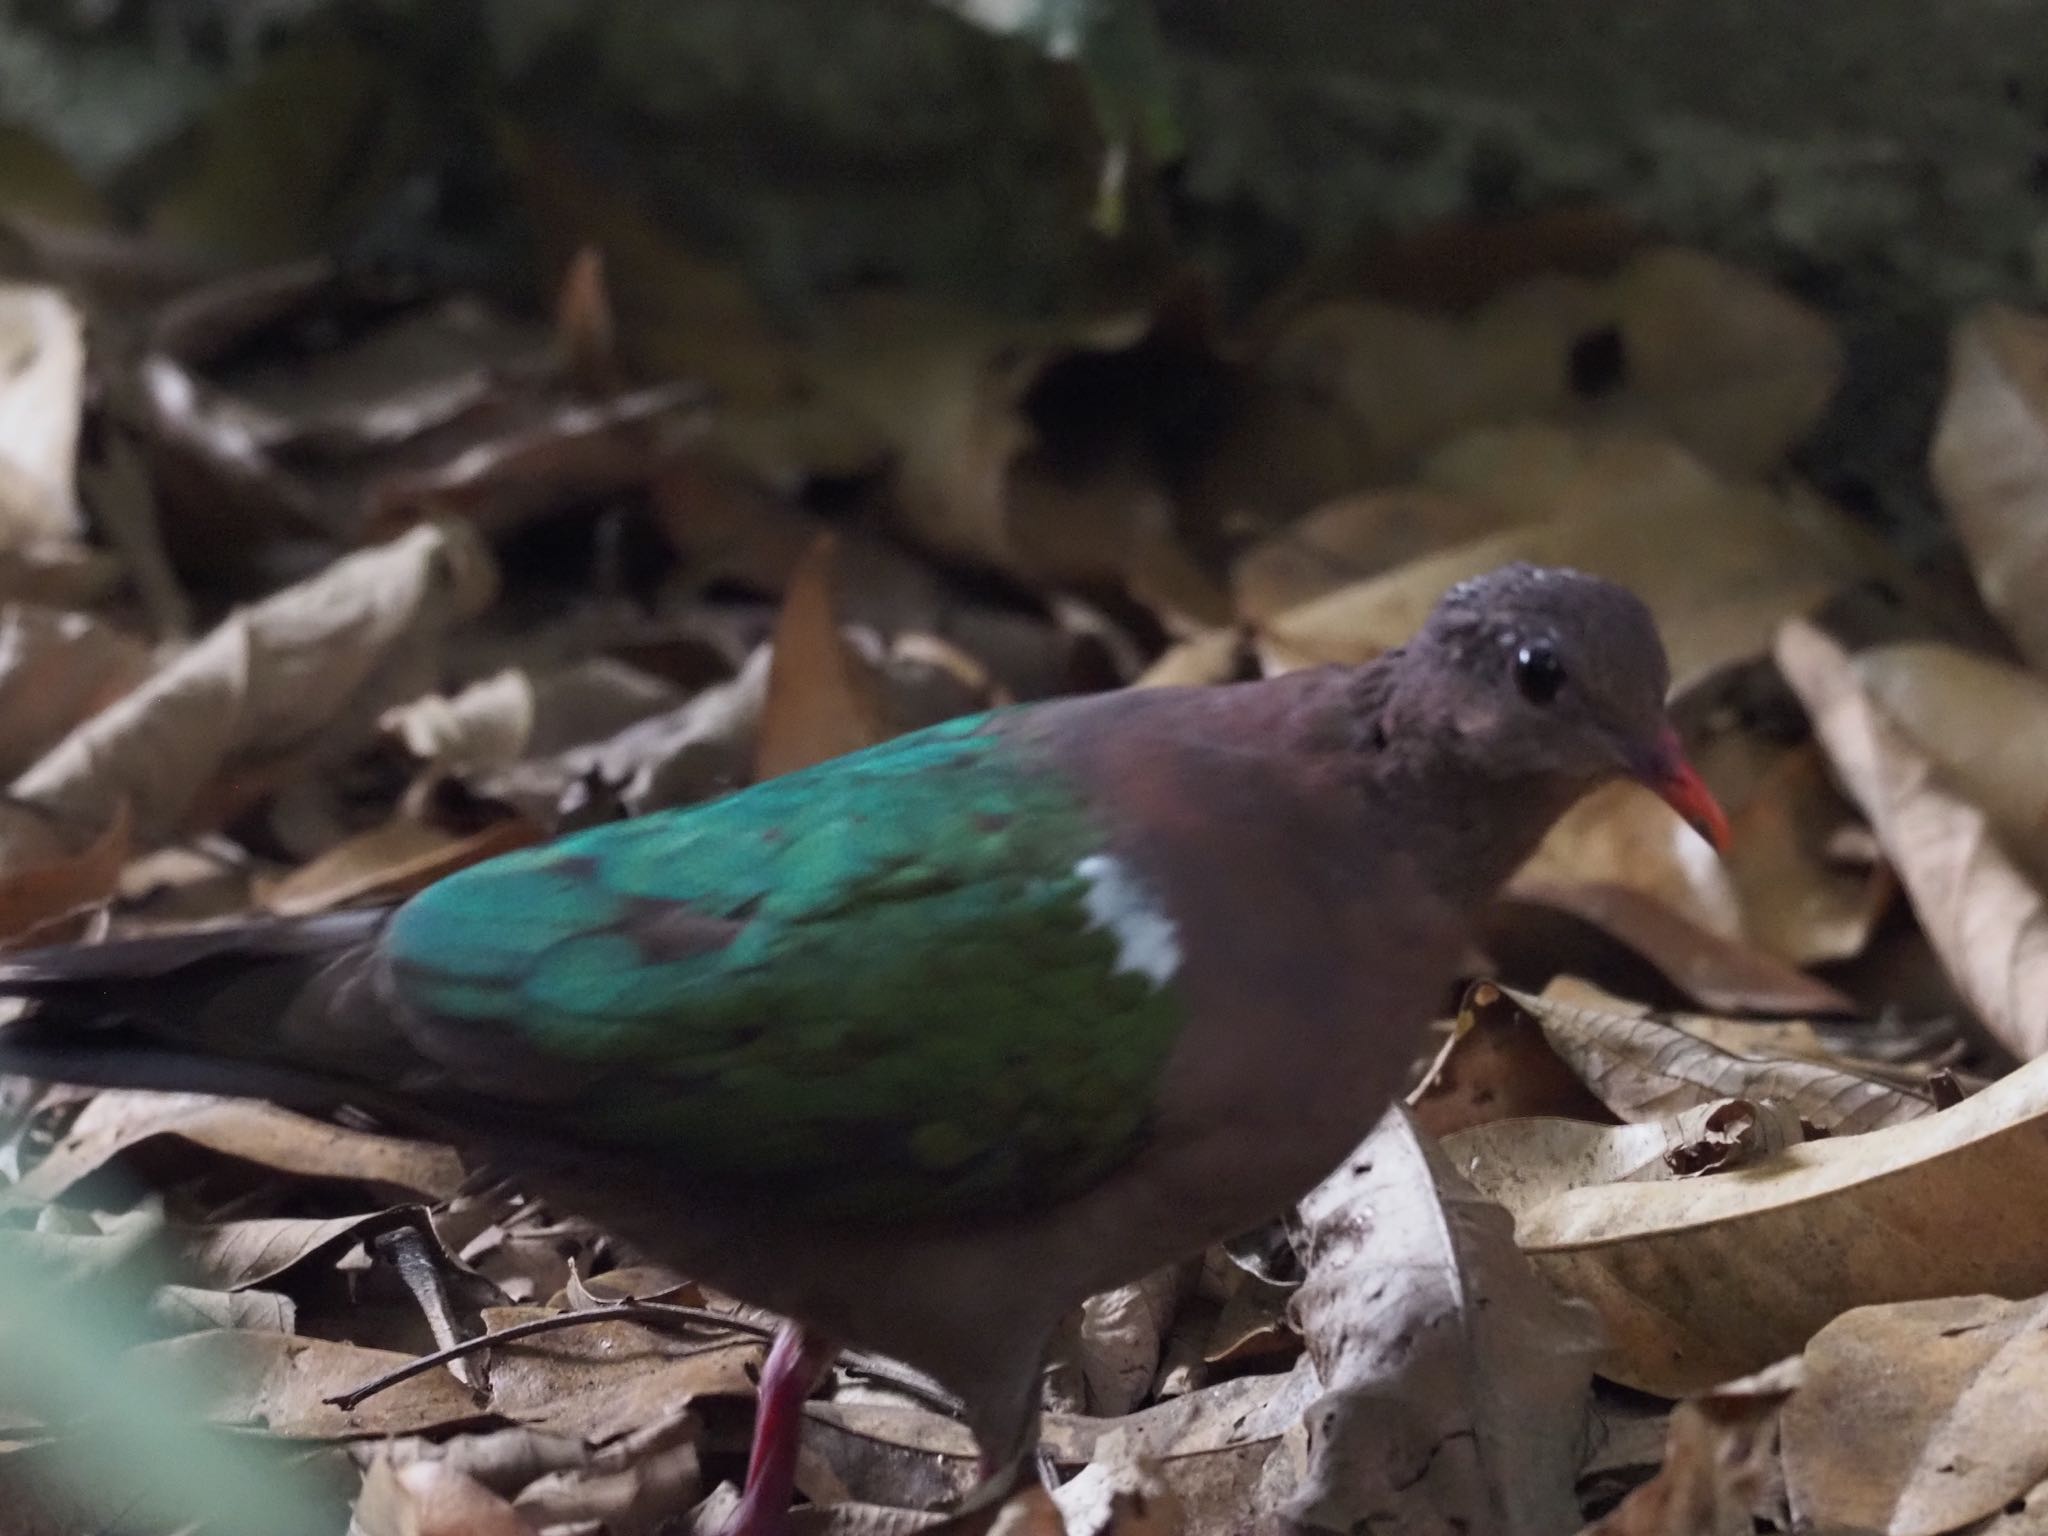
pixel 1468 827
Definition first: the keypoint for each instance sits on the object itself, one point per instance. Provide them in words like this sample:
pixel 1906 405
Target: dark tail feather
pixel 283 1009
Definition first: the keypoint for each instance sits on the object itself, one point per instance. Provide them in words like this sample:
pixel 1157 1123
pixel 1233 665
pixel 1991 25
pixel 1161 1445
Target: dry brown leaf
pixel 1519 1164
pixel 57 669
pixel 432 1498
pixel 118 1123
pixel 1221 656
pixel 179 1309
pixel 824 698
pixel 1982 915
pixel 1990 464
pixel 1646 1066
pixel 389 863
pixel 608 1378
pixel 324 657
pixel 1455 1384
pixel 1121 1334
pixel 1811 887
pixel 1702 1280
pixel 1498 1065
pixel 1920 1419
pixel 633 1486
pixel 37 893
pixel 1718 1462
pixel 42 401
pixel 1720 563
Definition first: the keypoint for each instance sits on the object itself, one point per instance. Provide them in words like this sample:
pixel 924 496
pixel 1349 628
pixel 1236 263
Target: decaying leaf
pixel 1990 463
pixel 57 669
pixel 432 1498
pixel 1704 1279
pixel 1983 916
pixel 1454 1384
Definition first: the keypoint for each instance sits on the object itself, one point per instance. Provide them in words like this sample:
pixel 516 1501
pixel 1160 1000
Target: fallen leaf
pixel 1701 1280
pixel 1454 1383
pixel 632 1486
pixel 314 661
pixel 1917 1419
pixel 177 1309
pixel 516 714
pixel 1984 918
pixel 1718 1462
pixel 1121 1333
pixel 824 699
pixel 1623 835
pixel 42 385
pixel 1990 463
pixel 1498 1065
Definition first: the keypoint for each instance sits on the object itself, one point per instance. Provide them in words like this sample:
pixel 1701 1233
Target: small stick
pixel 656 1314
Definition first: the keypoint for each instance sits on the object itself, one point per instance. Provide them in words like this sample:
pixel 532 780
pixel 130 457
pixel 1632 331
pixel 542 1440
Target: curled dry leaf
pixel 1454 1383
pixel 1921 1419
pixel 1521 1163
pixel 1720 563
pixel 1719 1462
pixel 633 1486
pixel 321 659
pixel 1639 1065
pixel 1704 1279
pixel 1623 835
pixel 1121 1334
pixel 1983 916
pixel 1990 464
pixel 42 400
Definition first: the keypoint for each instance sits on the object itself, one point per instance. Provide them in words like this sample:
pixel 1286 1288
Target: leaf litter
pixel 320 581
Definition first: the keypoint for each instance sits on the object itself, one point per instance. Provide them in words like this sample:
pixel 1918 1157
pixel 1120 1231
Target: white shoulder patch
pixel 1146 940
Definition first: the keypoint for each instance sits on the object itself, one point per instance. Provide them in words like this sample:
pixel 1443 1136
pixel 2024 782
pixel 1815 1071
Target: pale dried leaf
pixel 1701 1280
pixel 1121 1334
pixel 390 862
pixel 1623 835
pixel 42 388
pixel 515 714
pixel 325 656
pixel 1454 1383
pixel 1990 464
pixel 57 669
pixel 1984 918
pixel 1920 1419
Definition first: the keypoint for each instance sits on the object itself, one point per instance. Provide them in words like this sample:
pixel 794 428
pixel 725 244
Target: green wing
pixel 873 984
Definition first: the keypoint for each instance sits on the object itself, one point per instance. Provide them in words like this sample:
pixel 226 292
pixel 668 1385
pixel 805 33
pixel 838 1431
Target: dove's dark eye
pixel 1538 673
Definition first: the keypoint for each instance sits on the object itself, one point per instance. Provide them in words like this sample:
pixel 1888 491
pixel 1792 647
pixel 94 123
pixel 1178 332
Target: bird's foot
pixel 797 1363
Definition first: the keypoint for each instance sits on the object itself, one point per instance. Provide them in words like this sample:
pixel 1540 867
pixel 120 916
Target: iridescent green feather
pixel 914 1016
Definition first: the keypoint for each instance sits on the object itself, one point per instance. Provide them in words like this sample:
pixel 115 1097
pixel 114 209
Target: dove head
pixel 1553 677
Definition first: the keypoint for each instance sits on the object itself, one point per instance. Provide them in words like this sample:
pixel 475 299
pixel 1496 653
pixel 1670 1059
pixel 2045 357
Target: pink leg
pixel 796 1365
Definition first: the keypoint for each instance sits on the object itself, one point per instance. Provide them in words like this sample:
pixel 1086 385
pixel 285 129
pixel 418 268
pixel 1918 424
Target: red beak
pixel 1679 785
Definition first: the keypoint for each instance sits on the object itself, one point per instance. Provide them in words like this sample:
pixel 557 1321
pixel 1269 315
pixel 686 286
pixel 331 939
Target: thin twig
pixel 655 1314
